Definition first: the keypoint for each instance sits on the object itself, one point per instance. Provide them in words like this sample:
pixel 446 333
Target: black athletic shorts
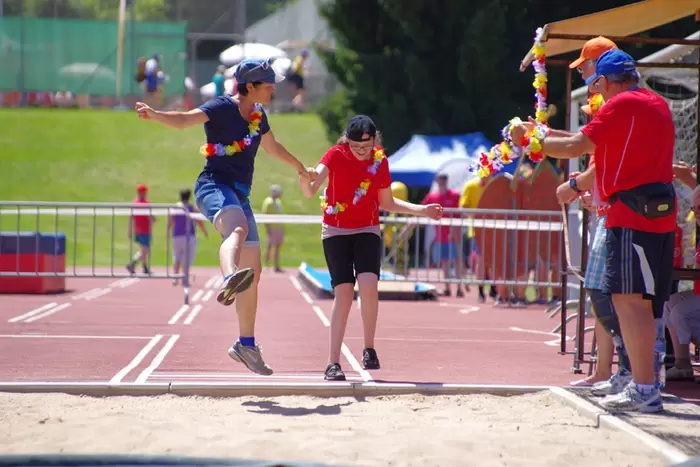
pixel 349 255
pixel 296 79
pixel 639 263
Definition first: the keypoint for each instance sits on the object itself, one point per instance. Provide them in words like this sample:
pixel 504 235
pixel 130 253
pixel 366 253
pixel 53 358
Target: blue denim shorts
pixel 214 198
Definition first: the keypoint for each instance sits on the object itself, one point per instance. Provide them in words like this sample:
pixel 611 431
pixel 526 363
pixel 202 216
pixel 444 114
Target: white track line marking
pixel 426 341
pixel 33 312
pixel 116 379
pixel 308 298
pixel 557 342
pixel 355 364
pixel 178 314
pixel 466 311
pixel 211 282
pixel 85 294
pixel 197 295
pixel 128 282
pixel 47 313
pixel 157 360
pixel 533 331
pixel 55 336
pixel 321 316
pixel 99 294
pixel 315 376
pixel 124 282
pixel 324 320
pixel 197 308
pixel 207 295
pixel 295 281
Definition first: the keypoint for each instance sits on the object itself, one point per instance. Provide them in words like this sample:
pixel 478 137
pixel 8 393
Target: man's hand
pixel 521 130
pixel 566 194
pixel 587 202
pixel 433 211
pixel 685 173
pixel 144 111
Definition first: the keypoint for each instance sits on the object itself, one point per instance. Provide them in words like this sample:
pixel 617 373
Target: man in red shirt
pixel 448 240
pixel 633 136
pixel 140 230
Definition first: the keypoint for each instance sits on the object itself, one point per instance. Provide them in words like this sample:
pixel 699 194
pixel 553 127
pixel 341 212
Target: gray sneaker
pixel 631 400
pixel 615 385
pixel 251 357
pixel 237 283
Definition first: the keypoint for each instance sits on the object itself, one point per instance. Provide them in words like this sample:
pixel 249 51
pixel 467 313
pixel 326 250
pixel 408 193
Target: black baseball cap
pixel 358 126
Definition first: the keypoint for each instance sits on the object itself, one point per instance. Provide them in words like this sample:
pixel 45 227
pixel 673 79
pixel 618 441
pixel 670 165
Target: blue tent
pixel 419 160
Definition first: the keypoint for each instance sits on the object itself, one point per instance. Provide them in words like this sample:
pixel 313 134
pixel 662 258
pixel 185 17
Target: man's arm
pixel 568 147
pixel 561 133
pixel 586 180
pixel 279 152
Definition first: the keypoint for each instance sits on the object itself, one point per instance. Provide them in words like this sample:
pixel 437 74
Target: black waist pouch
pixel 652 200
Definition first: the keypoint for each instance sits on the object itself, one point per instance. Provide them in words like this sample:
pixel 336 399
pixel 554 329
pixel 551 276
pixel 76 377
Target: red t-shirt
pixel 634 137
pixel 448 200
pixel 142 222
pixel 346 173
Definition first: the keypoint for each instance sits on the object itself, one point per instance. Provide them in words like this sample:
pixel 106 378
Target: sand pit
pixel 484 430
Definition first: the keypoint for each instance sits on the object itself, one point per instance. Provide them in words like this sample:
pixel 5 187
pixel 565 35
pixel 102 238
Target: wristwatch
pixel 572 184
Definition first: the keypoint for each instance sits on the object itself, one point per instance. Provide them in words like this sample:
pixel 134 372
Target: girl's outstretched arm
pixel 391 204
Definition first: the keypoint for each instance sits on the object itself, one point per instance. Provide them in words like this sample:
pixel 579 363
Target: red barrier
pixel 30 252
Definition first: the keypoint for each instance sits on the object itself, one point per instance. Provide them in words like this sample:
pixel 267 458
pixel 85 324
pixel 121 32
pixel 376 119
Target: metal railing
pixel 81 240
pixel 516 249
pixel 508 248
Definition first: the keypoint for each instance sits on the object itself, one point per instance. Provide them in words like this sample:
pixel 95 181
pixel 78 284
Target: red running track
pixel 139 331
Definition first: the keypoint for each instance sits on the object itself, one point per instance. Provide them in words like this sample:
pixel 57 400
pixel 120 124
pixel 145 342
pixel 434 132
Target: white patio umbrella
pixel 207 91
pixel 238 52
pixel 280 65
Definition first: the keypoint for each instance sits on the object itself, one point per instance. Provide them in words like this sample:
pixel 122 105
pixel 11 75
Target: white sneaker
pixel 615 385
pixel 631 400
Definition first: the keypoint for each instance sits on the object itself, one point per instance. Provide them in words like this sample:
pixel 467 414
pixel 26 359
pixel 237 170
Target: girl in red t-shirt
pixel 359 184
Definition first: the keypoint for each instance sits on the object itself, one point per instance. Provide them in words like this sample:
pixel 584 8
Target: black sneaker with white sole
pixel 334 372
pixel 370 361
pixel 237 283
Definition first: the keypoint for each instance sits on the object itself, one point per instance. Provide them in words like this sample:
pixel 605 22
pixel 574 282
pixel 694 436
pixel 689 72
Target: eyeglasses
pixel 264 65
pixel 580 67
pixel 596 82
pixel 360 147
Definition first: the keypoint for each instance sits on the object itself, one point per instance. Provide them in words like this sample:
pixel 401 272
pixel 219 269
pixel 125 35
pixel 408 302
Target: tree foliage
pixel 444 66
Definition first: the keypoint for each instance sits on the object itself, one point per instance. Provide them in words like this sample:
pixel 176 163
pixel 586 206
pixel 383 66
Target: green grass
pixel 101 155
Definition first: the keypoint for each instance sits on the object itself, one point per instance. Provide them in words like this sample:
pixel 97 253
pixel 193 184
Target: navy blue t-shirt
pixel 225 126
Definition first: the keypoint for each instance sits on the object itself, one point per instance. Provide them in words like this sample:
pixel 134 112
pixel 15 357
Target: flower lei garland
pixel 218 149
pixel 531 144
pixel 595 102
pixel 361 191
